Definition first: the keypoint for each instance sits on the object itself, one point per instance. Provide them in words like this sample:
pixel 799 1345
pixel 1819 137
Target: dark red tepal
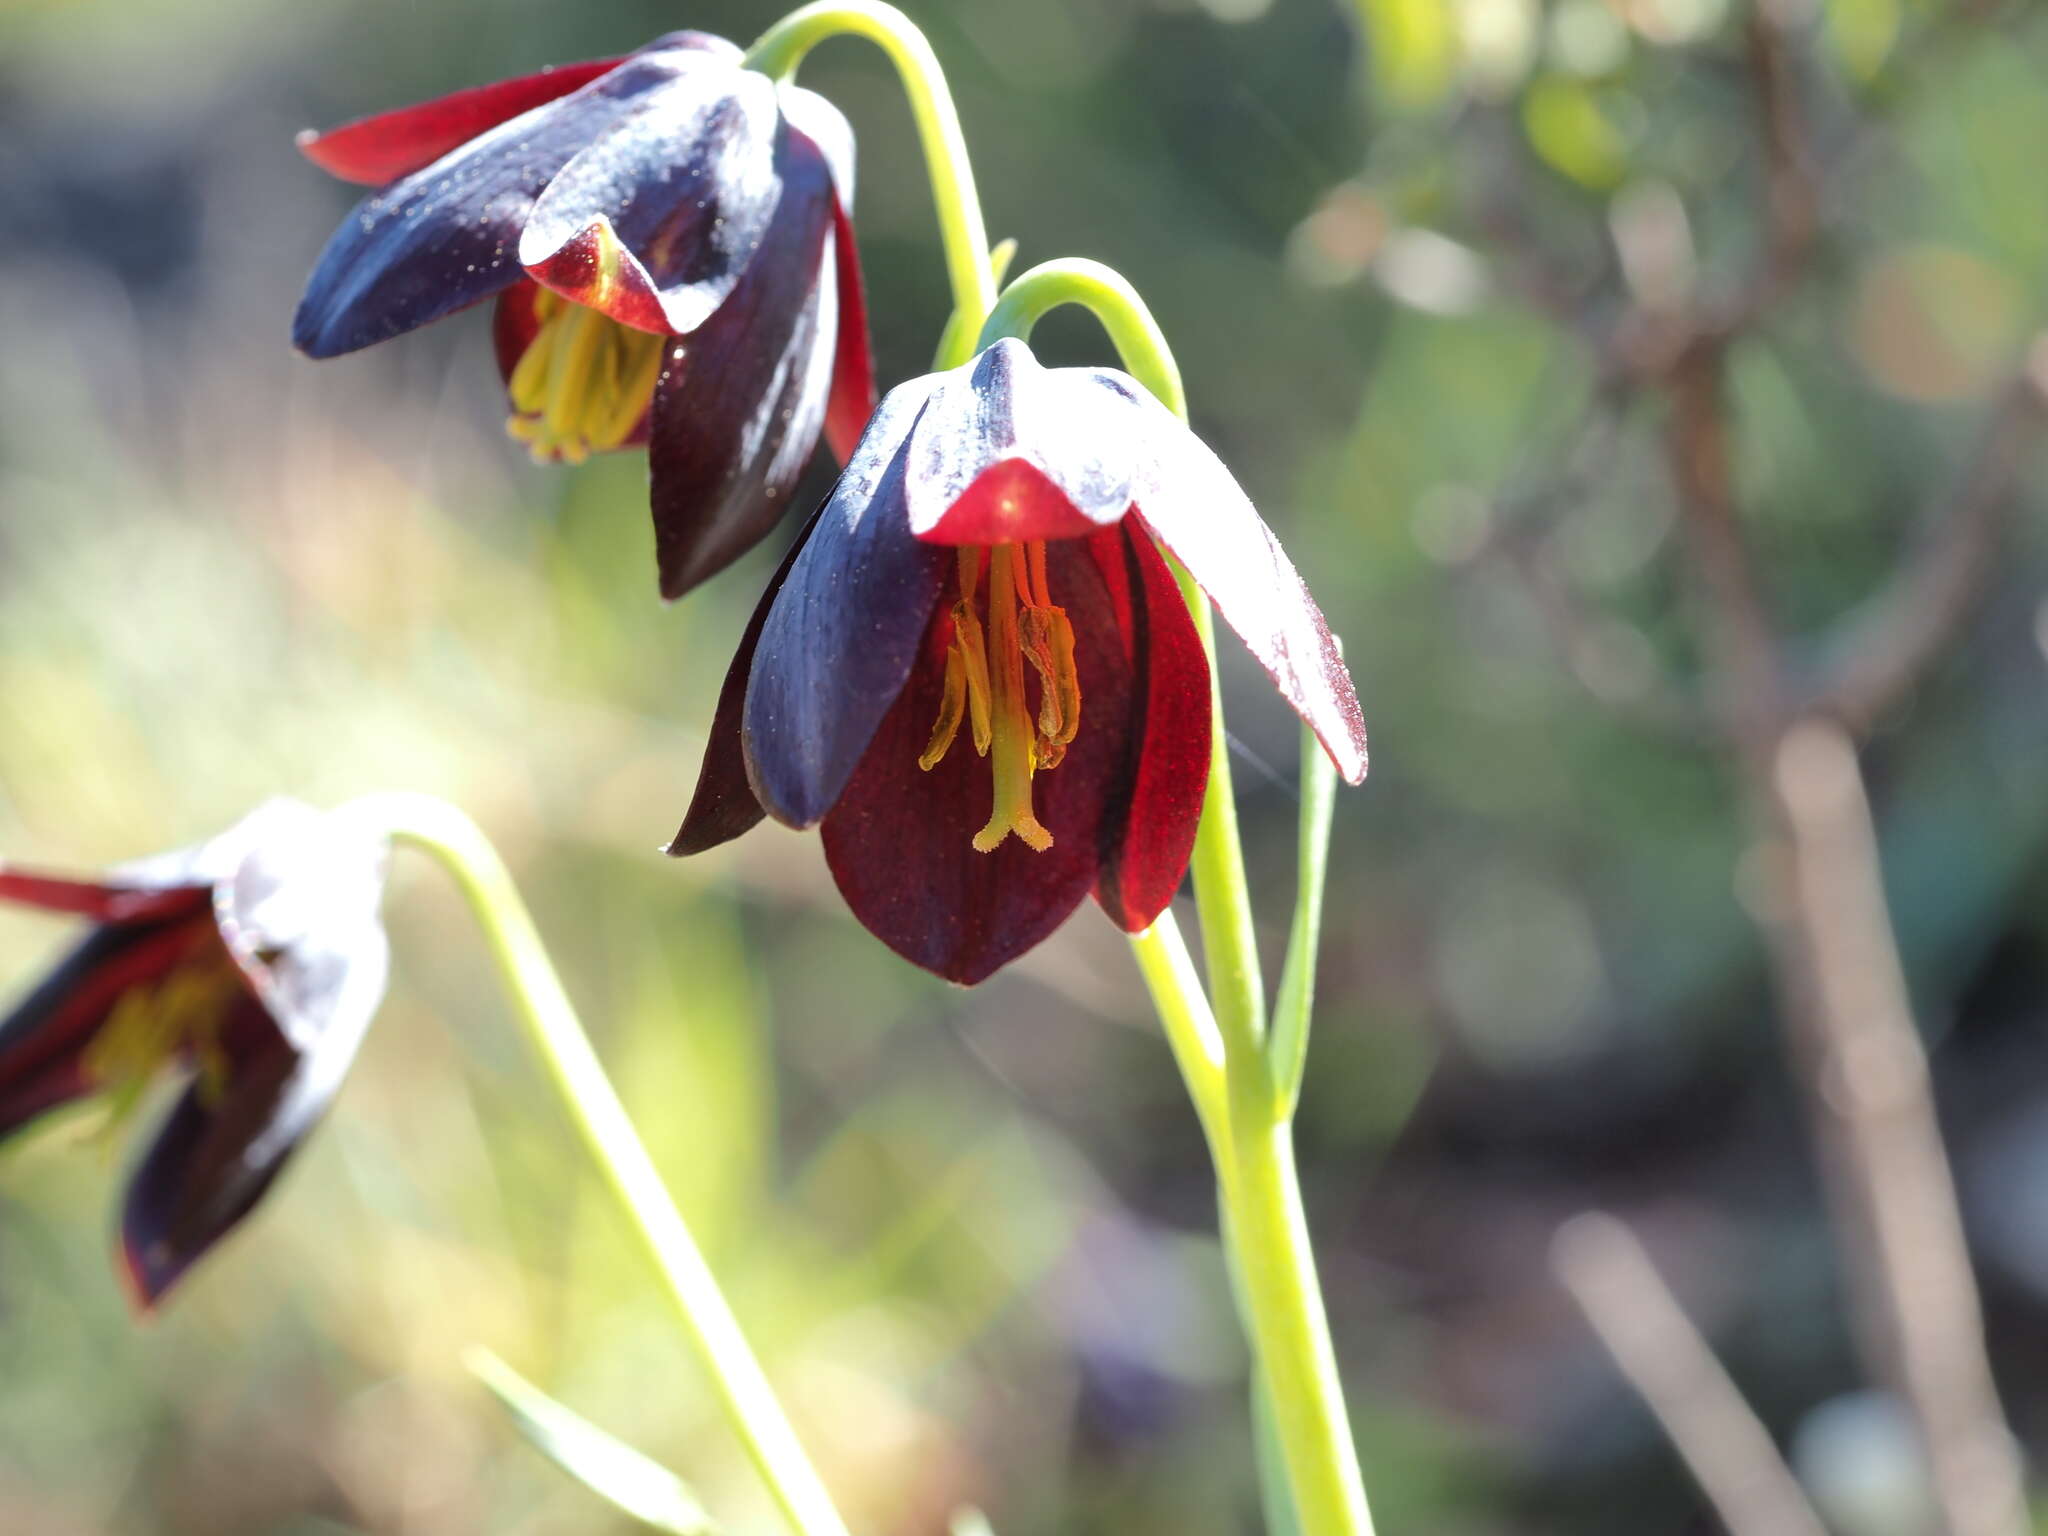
pixel 668 239
pixel 251 964
pixel 984 581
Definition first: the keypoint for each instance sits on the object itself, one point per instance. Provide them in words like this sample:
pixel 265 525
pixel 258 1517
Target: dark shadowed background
pixel 971 1232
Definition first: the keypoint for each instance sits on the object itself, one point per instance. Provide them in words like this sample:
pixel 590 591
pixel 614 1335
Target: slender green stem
pixel 1230 945
pixel 452 839
pixel 1223 1057
pixel 1287 1045
pixel 1107 295
pixel 1177 996
pixel 781 49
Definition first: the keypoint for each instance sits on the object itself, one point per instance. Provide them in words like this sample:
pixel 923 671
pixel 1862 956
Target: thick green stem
pixel 781 49
pixel 453 840
pixel 1246 1114
pixel 1276 1268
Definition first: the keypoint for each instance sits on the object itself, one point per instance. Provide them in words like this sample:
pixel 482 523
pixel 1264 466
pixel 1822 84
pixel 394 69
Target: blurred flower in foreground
pixel 983 582
pixel 251 963
pixel 668 239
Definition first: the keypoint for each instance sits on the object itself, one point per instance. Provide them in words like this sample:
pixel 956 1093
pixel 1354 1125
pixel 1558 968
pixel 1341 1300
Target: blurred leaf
pixel 969 1522
pixel 615 1472
pixel 1567 127
pixel 1414 48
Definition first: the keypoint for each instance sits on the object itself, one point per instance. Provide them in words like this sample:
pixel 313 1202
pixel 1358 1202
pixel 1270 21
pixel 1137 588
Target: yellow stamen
pixel 1066 676
pixel 974 656
pixel 951 707
pixel 1048 643
pixel 528 384
pixel 583 383
pixel 636 368
pixel 1014 743
pixel 151 1024
pixel 1039 592
pixel 985 684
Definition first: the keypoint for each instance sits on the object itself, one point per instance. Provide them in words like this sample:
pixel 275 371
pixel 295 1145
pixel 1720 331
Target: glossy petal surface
pixel 899 840
pixel 1187 497
pixel 448 235
pixel 104 901
pixel 826 127
pixel 379 149
pixel 1008 451
pixel 655 219
pixel 724 805
pixel 1147 832
pixel 852 400
pixel 844 631
pixel 209 1163
pixel 299 913
pixel 739 403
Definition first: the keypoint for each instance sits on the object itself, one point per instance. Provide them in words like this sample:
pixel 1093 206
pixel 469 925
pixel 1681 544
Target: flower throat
pixel 986 685
pixel 583 383
pixel 178 1015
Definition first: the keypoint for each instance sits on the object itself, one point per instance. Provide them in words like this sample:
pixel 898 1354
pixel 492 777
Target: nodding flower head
pixel 976 672
pixel 250 966
pixel 668 238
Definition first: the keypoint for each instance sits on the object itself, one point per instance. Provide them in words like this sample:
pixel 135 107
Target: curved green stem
pixel 1107 295
pixel 781 49
pixel 455 842
pixel 1246 1114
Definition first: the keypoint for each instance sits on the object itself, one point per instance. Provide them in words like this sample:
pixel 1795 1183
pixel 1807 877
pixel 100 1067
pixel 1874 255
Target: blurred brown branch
pixel 1725 1446
pixel 1885 1168
pixel 1915 1295
pixel 1792 212
pixel 1835 959
pixel 1887 647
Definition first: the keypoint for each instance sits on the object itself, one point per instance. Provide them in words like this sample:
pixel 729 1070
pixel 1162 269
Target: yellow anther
pixel 1038 592
pixel 529 381
pixel 636 368
pixel 583 383
pixel 152 1024
pixel 1066 678
pixel 974 666
pixel 951 706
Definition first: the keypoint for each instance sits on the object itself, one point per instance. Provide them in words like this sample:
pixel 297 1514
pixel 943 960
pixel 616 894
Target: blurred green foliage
pixel 970 1233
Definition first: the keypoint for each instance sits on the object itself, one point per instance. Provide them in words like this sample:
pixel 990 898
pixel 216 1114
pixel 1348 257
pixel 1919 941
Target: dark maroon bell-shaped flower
pixel 668 239
pixel 251 965
pixel 977 673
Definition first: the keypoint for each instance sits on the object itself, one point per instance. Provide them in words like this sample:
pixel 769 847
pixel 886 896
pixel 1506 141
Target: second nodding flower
pixel 667 237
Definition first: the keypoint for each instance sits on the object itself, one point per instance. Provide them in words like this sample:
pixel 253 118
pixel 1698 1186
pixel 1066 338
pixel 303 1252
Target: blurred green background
pixel 971 1232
